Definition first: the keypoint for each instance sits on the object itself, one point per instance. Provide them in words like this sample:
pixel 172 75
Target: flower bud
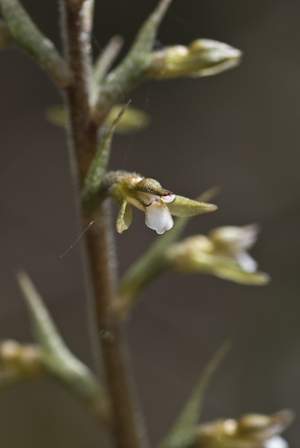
pixel 250 431
pixel 203 57
pixel 20 360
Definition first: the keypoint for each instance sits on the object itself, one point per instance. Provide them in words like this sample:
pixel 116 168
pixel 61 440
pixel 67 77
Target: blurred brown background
pixel 239 130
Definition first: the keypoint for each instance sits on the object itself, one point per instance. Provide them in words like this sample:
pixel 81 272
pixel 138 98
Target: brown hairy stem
pixel 101 253
pixel 76 25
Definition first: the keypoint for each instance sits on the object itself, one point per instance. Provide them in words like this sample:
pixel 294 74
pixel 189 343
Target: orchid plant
pixel 91 115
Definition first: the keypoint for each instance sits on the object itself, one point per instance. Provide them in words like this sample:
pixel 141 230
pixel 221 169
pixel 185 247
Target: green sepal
pixel 124 217
pixel 184 207
pixel 223 268
pixel 151 186
pixel 236 274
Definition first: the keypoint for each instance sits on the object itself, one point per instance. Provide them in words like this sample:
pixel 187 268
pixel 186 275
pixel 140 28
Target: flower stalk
pixel 76 25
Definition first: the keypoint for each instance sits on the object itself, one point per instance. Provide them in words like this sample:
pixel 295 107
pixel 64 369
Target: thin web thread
pixel 76 241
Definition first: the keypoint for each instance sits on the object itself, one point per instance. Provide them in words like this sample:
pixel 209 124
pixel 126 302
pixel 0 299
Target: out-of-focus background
pixel 239 130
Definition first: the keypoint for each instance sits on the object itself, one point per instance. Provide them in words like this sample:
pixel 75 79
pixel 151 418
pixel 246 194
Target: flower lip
pixel 158 217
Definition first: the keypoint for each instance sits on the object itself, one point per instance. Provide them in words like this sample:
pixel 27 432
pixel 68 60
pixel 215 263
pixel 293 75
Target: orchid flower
pixel 223 252
pixel 250 431
pixel 158 203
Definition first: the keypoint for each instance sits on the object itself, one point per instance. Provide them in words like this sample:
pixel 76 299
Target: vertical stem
pixel 76 25
pixel 101 253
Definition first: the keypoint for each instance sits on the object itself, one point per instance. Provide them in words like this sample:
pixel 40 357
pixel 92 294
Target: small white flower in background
pixel 234 242
pixel 276 442
pixel 223 253
pixel 158 203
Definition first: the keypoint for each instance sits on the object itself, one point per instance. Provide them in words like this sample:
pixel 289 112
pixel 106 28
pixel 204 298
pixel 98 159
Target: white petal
pixel 247 263
pixel 235 238
pixel 169 198
pixel 276 442
pixel 158 217
pixel 249 236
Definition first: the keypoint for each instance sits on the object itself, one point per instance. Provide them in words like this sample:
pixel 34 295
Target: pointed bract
pixel 56 356
pixel 182 435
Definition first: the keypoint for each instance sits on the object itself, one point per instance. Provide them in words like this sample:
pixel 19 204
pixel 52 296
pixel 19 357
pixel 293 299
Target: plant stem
pixel 77 22
pixel 101 253
pixel 77 28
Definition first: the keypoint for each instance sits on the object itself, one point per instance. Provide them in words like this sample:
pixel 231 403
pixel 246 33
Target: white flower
pixel 222 253
pixel 276 442
pixel 233 242
pixel 158 216
pixel 158 203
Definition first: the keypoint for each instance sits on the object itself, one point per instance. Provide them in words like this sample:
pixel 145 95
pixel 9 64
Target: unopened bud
pixel 203 57
pixel 22 359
